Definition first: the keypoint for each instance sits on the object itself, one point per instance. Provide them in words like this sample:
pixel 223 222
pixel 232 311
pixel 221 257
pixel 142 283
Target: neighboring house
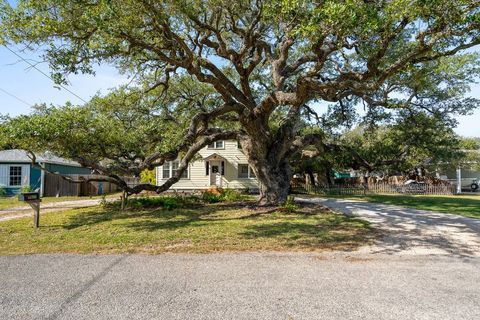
pixel 16 170
pixel 222 164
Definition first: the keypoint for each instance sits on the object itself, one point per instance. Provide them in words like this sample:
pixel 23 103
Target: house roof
pixel 214 156
pixel 21 156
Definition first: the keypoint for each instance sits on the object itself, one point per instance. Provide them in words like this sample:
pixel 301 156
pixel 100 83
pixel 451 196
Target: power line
pixel 43 73
pixel 14 96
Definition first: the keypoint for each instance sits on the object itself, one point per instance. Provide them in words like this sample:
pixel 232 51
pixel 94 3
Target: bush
pixel 289 206
pixel 210 197
pixel 25 189
pixel 166 202
pixel 231 195
pixel 3 191
pixel 177 201
pixel 148 176
pixel 221 195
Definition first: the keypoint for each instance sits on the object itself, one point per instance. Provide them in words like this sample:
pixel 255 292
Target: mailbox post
pixel 33 199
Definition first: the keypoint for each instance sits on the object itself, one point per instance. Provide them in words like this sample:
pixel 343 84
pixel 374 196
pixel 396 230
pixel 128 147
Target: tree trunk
pixel 311 177
pixel 274 184
pixel 268 155
pixel 123 200
pixel 272 170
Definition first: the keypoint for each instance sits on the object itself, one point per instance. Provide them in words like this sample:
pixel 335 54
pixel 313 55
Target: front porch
pixel 215 170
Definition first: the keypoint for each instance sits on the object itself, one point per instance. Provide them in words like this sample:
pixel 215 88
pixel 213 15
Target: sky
pixel 22 86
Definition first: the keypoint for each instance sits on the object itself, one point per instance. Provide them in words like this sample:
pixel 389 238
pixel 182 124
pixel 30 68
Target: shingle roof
pixel 20 156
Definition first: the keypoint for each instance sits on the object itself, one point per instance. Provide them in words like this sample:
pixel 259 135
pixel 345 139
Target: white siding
pixel 5 174
pixel 199 180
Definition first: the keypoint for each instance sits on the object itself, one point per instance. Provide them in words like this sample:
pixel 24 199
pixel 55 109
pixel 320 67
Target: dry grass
pixel 200 229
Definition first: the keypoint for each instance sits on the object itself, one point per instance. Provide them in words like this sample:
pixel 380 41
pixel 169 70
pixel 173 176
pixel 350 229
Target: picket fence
pixel 377 188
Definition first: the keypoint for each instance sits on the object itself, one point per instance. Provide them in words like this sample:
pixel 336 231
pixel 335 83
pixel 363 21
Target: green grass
pixel 464 205
pixel 12 202
pixel 205 228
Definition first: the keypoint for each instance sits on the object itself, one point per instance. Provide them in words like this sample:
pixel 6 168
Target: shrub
pixel 176 201
pixel 3 191
pixel 148 176
pixel 231 195
pixel 221 195
pixel 289 206
pixel 25 189
pixel 167 202
pixel 103 201
pixel 210 197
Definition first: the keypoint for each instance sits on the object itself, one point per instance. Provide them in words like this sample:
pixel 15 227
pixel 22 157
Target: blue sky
pixel 30 86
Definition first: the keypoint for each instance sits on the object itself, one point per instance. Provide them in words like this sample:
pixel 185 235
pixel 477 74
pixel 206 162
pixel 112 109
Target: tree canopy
pixel 263 64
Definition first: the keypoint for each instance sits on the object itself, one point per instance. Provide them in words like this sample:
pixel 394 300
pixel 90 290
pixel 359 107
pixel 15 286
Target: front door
pixel 214 172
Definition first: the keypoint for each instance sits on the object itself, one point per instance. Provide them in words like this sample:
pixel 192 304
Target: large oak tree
pixel 264 60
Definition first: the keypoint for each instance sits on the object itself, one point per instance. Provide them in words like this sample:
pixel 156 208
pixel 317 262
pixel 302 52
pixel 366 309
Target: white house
pixel 222 164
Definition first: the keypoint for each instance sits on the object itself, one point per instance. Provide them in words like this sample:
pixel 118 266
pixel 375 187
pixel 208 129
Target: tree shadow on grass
pixel 159 218
pixel 106 215
pixel 331 232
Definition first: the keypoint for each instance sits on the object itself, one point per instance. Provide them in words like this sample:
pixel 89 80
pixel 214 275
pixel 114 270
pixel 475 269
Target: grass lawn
pixel 199 229
pixel 12 202
pixel 464 205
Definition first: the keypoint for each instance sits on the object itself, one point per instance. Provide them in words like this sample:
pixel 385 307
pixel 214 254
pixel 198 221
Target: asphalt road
pixel 240 286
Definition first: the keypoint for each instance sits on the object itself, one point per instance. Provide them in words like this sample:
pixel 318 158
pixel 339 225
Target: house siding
pixel 5 176
pixel 197 172
pixel 32 177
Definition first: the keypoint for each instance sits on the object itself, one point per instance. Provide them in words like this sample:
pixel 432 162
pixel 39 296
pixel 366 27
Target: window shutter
pixel 223 168
pixel 207 168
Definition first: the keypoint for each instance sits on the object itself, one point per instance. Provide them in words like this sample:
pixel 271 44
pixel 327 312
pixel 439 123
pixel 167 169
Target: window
pixel 15 176
pixel 175 165
pixel 217 145
pixel 245 172
pixel 166 170
pixel 170 169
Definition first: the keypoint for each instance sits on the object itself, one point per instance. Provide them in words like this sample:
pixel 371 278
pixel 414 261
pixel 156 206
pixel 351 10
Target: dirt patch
pixel 358 259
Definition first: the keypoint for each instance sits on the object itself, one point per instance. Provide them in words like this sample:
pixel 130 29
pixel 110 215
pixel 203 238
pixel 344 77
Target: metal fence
pixel 377 188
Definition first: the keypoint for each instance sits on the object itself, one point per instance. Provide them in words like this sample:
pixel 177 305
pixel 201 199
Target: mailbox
pixel 33 199
pixel 29 196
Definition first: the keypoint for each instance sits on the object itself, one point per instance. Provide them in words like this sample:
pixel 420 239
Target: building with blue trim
pixel 17 171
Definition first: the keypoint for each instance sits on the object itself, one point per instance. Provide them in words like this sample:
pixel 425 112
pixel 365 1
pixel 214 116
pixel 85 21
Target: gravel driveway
pixel 411 231
pixel 25 211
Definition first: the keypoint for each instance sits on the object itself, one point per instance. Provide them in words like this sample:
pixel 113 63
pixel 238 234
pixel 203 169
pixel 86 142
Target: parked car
pixel 412 187
pixel 474 185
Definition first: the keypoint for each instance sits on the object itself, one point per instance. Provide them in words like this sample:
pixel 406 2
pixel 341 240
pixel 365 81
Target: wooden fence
pixel 377 188
pixel 56 186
